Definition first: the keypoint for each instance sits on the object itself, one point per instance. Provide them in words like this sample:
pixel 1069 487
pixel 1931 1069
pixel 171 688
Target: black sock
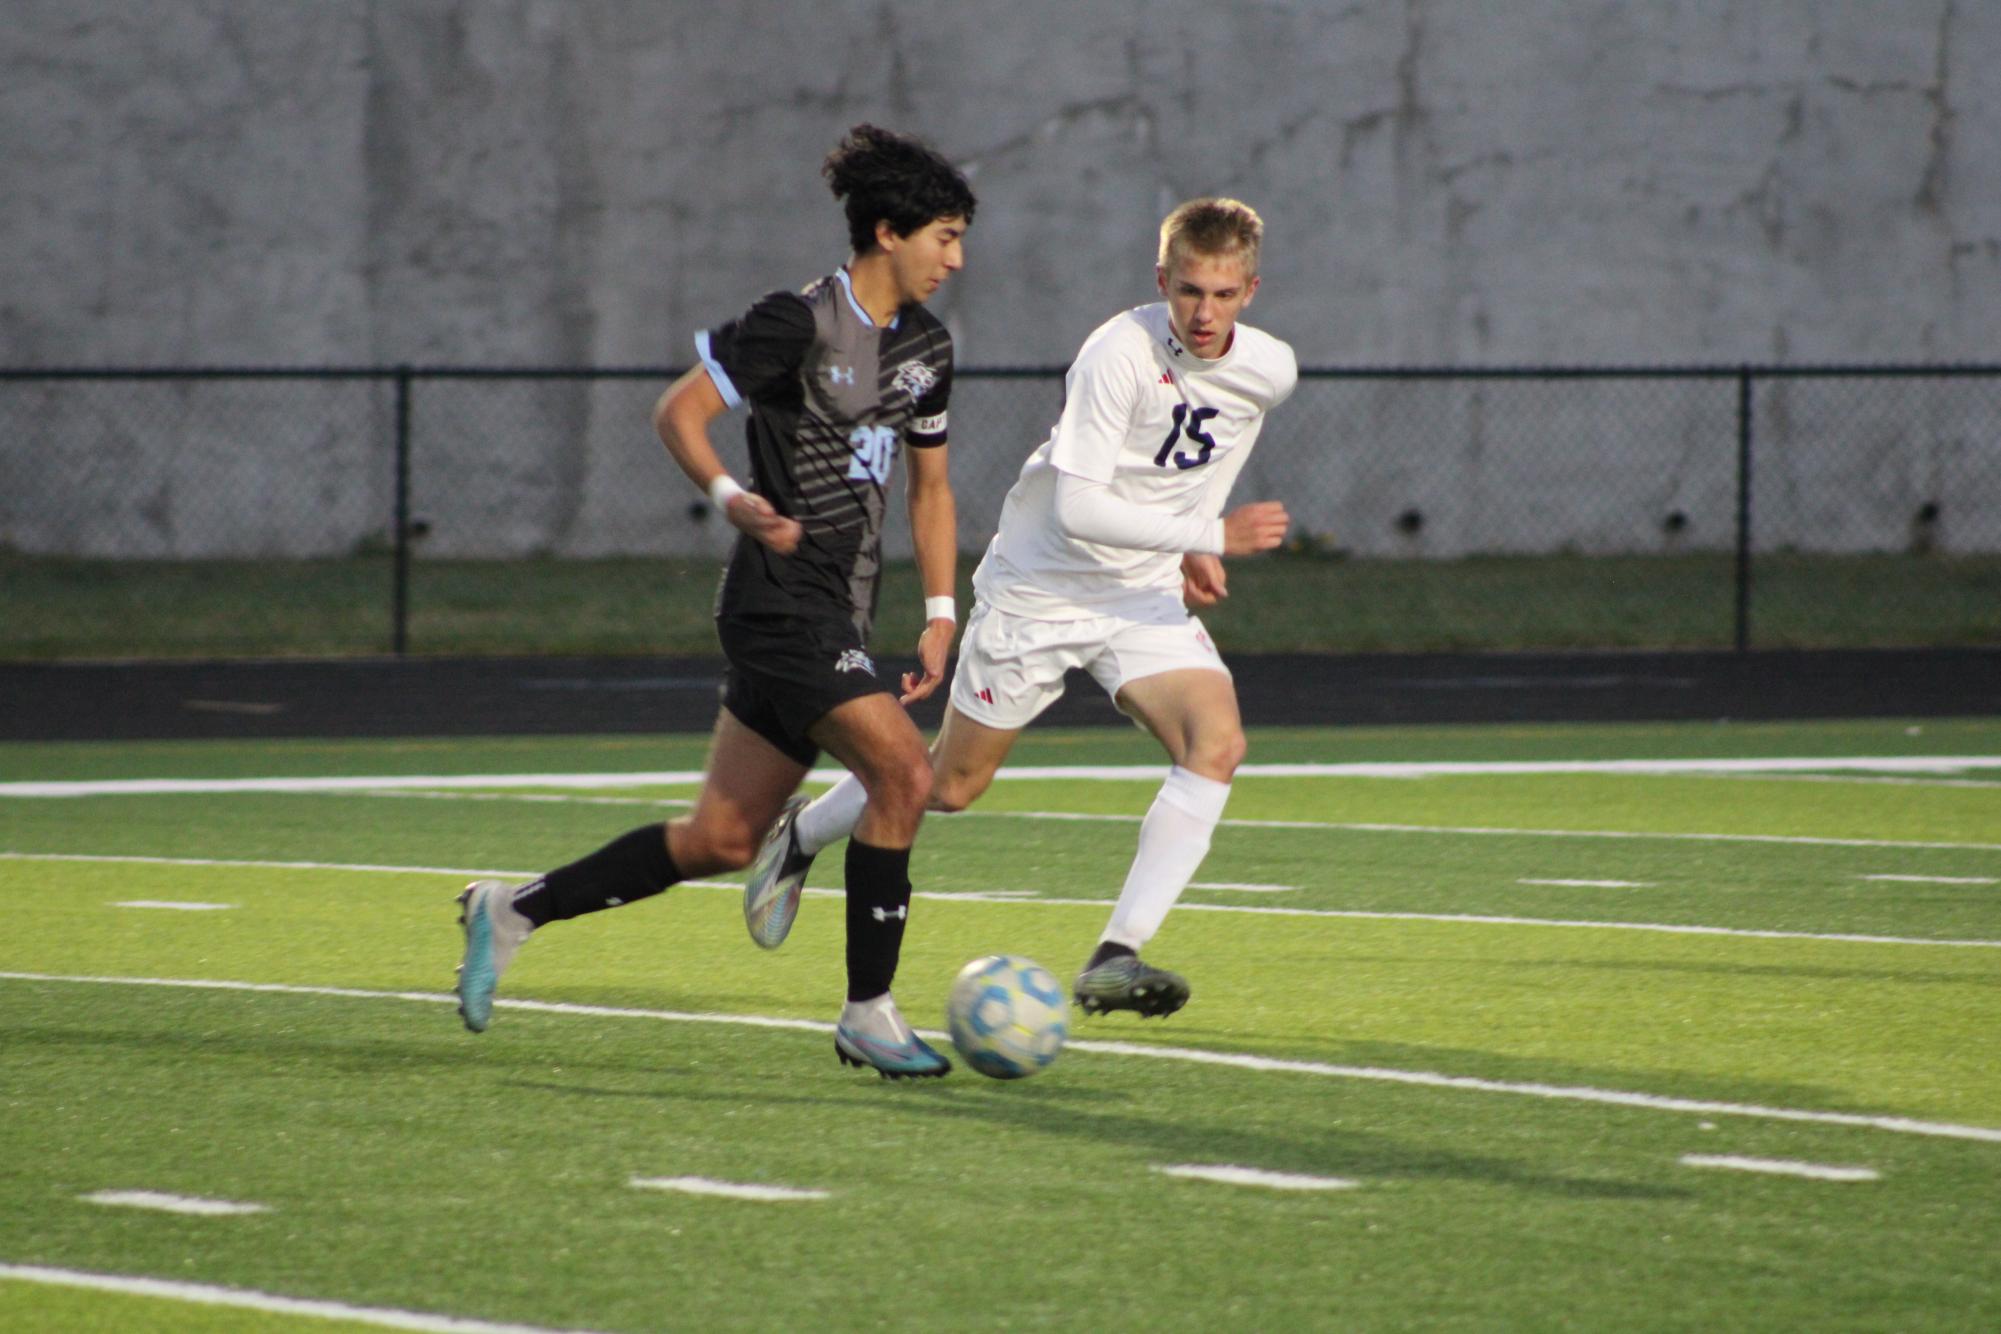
pixel 878 910
pixel 1110 950
pixel 631 867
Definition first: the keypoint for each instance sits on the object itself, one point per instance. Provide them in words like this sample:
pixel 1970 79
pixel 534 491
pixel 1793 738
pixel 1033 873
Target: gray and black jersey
pixel 833 397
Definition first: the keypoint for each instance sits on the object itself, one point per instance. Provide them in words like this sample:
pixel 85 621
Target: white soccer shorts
pixel 1011 668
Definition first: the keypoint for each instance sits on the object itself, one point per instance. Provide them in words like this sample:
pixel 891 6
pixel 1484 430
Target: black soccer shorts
pixel 786 673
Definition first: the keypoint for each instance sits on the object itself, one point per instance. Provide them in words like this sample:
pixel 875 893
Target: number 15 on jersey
pixel 1188 422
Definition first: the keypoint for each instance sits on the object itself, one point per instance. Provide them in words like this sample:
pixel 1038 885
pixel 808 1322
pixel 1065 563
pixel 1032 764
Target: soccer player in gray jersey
pixel 838 379
pixel 1113 531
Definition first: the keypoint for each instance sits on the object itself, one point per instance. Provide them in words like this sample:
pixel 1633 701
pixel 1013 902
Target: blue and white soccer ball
pixel 1008 1016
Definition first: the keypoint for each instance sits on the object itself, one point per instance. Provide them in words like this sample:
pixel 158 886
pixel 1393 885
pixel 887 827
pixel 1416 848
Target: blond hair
pixel 1216 227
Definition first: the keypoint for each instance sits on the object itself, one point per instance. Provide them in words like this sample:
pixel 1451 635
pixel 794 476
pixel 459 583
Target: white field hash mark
pixel 1251 1176
pixel 1239 887
pixel 1586 884
pixel 1780 1167
pixel 1017 896
pixel 204 1294
pixel 733 1190
pixel 1901 1125
pixel 172 1204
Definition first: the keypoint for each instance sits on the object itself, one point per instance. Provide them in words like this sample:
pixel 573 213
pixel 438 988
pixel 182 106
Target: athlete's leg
pixel 747 779
pixel 1002 682
pixel 883 749
pixel 1193 712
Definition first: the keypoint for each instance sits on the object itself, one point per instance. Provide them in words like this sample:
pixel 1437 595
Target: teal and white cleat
pixel 777 877
pixel 1124 983
pixel 493 932
pixel 873 1033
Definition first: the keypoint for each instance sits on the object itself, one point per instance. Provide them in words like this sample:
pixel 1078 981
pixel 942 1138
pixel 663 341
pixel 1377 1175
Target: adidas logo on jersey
pixel 854 660
pixel 1165 378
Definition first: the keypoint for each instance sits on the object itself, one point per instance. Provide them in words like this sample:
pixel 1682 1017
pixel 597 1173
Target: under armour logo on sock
pixel 884 914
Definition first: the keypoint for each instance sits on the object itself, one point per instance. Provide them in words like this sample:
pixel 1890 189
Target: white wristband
pixel 941 609
pixel 722 491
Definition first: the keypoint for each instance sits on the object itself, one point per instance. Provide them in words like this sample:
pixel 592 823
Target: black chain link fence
pixel 222 512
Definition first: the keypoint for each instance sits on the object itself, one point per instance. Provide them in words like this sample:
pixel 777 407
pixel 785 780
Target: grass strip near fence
pixel 59 608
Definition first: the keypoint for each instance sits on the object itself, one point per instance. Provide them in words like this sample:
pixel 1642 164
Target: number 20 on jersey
pixel 875 453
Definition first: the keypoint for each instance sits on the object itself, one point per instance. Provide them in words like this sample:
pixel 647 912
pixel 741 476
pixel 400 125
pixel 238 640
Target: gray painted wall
pixel 588 181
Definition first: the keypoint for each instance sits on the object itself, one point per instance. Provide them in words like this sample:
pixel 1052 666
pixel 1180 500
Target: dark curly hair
pixel 884 176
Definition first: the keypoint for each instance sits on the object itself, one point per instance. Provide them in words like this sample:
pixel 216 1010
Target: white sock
pixel 1173 840
pixel 832 815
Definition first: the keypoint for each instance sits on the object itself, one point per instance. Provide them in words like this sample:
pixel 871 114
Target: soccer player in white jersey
pixel 1113 531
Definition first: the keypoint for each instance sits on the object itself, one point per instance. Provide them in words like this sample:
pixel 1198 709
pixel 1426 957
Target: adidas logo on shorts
pixel 854 660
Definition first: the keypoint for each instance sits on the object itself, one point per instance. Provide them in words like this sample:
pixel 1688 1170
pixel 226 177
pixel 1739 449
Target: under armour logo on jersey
pixel 899 912
pixel 854 660
pixel 914 378
pixel 841 374
pixel 1174 345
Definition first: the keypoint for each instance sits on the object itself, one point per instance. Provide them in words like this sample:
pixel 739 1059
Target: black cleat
pixel 1125 983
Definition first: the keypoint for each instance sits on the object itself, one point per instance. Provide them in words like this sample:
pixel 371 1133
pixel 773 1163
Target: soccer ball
pixel 1008 1016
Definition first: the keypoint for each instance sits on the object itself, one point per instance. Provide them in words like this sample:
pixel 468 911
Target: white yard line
pixel 1901 1125
pixel 204 1294
pixel 541 798
pixel 1780 1167
pixel 1251 1176
pixel 1887 764
pixel 729 1190
pixel 1860 778
pixel 172 1204
pixel 174 905
pixel 1935 879
pixel 1016 896
pixel 1497 831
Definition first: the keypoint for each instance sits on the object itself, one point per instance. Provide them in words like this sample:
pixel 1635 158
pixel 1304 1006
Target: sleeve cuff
pixel 716 372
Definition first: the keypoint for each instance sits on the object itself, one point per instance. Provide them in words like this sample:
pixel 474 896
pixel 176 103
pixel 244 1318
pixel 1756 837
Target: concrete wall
pixel 587 181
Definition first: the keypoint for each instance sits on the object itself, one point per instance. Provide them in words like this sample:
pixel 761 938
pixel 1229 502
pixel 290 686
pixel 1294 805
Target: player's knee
pixel 902 785
pixel 1217 756
pixel 717 848
pixel 956 791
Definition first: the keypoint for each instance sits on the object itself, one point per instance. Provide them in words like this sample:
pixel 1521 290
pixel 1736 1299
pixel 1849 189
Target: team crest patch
pixel 914 378
pixel 854 660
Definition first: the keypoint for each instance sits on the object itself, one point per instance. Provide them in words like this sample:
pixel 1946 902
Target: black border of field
pixel 552 696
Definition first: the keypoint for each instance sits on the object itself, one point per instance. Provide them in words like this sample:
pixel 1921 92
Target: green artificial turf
pixel 1505 1075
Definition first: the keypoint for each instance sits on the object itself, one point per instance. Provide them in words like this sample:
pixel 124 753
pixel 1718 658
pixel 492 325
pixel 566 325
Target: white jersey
pixel 1166 430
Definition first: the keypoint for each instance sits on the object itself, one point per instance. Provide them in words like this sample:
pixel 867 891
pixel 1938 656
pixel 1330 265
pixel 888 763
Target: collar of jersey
pixel 1181 356
pixel 848 287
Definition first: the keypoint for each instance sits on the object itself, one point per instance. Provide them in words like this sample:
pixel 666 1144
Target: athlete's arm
pixel 1088 511
pixel 682 418
pixel 934 532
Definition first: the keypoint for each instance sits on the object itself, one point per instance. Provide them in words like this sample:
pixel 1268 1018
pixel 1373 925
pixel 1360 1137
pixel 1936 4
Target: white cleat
pixel 494 930
pixel 873 1033
pixel 777 878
